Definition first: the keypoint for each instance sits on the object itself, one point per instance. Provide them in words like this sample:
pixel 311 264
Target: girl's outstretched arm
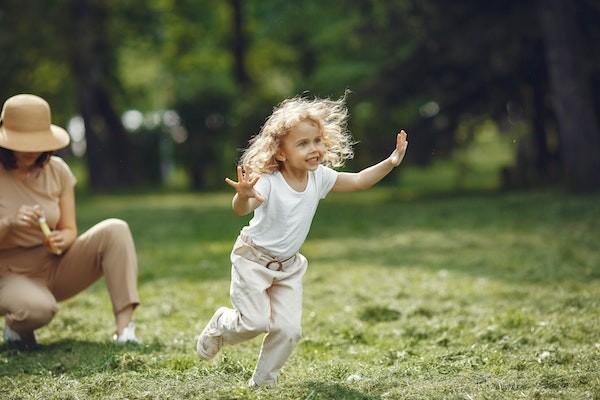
pixel 351 182
pixel 246 198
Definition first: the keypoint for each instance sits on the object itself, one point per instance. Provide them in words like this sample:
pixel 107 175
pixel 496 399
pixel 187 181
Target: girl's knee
pixel 292 332
pixel 256 324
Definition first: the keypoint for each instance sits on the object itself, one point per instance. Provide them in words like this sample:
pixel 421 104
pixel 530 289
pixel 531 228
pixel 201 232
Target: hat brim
pixel 54 139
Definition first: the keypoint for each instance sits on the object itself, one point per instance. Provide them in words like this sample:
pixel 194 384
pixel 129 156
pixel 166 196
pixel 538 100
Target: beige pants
pixel 264 300
pixel 32 280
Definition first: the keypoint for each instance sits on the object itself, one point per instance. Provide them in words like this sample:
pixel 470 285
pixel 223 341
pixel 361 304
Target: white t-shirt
pixel 281 223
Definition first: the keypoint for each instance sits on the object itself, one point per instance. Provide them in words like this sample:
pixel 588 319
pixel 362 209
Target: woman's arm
pixel 66 229
pixel 351 182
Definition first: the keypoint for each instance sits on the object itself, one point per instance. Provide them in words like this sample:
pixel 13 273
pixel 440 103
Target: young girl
pixel 287 169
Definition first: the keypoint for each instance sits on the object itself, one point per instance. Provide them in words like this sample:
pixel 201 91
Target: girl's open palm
pixel 401 145
pixel 245 186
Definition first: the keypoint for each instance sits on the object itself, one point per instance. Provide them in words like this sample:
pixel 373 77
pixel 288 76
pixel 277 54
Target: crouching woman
pixel 42 260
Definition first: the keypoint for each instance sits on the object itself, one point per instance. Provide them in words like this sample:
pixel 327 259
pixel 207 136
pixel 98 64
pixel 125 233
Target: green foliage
pixel 443 73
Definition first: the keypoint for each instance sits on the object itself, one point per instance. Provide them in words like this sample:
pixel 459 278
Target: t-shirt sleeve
pixel 263 187
pixel 326 178
pixel 65 175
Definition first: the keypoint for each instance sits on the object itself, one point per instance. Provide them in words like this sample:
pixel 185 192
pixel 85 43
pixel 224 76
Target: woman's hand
pixel 27 217
pixel 56 242
pixel 398 153
pixel 244 186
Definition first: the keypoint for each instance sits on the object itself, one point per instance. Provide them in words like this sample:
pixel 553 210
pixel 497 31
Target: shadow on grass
pixel 75 358
pixel 334 391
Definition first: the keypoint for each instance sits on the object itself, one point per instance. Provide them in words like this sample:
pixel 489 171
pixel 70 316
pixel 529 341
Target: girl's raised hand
pixel 401 145
pixel 245 186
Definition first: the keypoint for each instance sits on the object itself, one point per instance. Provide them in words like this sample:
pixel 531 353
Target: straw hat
pixel 25 126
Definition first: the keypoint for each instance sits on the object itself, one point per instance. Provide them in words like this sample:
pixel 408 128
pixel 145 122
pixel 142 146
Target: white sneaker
pixel 12 338
pixel 210 341
pixel 254 385
pixel 127 336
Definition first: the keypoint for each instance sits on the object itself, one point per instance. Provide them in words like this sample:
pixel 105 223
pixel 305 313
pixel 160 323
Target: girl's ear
pixel 279 156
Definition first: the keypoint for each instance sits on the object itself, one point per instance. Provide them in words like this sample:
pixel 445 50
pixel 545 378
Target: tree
pixel 109 151
pixel 573 102
pixel 239 43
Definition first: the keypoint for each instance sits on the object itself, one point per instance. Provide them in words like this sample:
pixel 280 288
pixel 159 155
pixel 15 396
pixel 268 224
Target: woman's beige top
pixel 43 188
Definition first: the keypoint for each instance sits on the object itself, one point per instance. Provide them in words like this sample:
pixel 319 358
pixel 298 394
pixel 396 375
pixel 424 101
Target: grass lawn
pixel 480 296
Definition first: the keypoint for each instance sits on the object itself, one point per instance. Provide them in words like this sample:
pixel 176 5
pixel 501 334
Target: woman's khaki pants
pixel 264 300
pixel 32 280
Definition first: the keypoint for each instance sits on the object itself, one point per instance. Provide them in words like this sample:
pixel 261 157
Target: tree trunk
pixel 108 150
pixel 239 44
pixel 536 164
pixel 572 100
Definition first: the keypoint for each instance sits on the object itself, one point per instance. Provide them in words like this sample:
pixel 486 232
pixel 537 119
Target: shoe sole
pixel 202 354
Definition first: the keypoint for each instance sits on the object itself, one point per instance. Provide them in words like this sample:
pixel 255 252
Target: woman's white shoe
pixel 127 336
pixel 12 338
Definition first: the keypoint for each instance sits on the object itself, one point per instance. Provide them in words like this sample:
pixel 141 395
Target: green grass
pixel 480 296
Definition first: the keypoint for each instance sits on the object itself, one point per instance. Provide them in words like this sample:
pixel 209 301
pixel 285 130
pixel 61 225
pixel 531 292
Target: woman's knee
pixel 31 313
pixel 115 227
pixel 111 232
pixel 26 302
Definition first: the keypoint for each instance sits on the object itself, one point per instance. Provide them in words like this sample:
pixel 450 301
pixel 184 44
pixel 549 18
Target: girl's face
pixel 26 159
pixel 302 149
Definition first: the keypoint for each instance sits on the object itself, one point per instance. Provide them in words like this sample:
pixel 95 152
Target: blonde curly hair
pixel 330 115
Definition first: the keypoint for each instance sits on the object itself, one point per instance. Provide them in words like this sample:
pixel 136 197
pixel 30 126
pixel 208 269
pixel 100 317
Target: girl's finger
pixel 230 182
pixel 240 173
pixel 253 181
pixel 401 138
pixel 247 172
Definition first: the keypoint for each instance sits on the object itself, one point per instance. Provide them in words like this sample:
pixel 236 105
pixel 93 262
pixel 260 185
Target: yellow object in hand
pixel 46 230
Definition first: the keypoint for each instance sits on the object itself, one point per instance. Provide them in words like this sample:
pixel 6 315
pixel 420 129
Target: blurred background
pixel 164 93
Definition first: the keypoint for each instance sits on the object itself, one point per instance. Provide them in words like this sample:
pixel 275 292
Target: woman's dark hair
pixel 8 160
